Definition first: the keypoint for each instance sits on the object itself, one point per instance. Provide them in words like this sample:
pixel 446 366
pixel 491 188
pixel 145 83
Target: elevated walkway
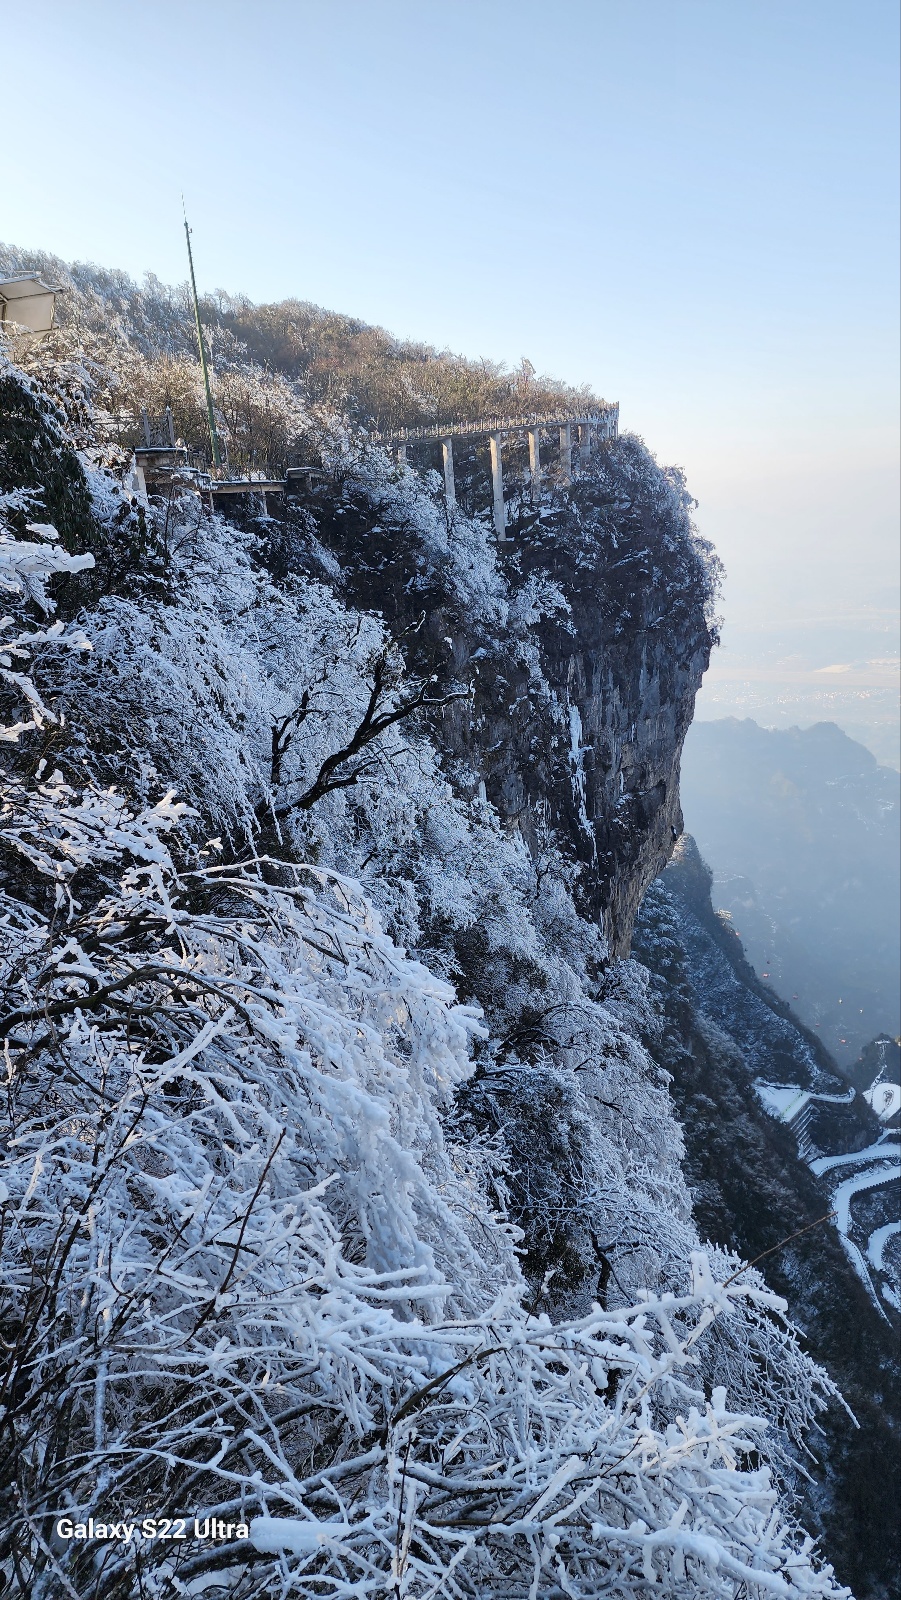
pixel 595 428
pixel 162 466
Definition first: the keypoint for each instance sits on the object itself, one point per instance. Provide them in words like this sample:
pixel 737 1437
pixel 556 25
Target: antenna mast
pixel 211 418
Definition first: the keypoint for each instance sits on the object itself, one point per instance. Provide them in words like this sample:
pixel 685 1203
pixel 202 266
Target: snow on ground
pixel 878 1241
pixel 846 1191
pixel 825 1163
pixel 875 1178
pixel 885 1098
pixel 786 1102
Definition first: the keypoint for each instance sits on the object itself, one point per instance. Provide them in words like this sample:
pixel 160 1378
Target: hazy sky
pixel 690 204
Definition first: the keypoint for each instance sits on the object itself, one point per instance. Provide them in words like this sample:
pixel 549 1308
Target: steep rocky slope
pixel 584 692
pixel 758 1179
pixel 330 1095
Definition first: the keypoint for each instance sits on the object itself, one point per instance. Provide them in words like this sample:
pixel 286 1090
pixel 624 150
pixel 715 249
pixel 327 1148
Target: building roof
pixel 22 288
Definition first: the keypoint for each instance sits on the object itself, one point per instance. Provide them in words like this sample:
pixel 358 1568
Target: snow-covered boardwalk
pixel 874 1178
pixel 158 467
pixel 879 1240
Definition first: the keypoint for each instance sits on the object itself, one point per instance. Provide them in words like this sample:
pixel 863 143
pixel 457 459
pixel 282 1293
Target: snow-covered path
pixel 872 1152
pixel 877 1165
pixel 787 1101
pixel 874 1178
pixel 878 1241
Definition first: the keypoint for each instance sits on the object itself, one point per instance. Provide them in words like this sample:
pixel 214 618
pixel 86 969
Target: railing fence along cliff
pixel 160 465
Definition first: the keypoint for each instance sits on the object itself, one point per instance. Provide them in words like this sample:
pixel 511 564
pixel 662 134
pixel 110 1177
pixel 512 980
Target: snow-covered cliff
pixel 344 1199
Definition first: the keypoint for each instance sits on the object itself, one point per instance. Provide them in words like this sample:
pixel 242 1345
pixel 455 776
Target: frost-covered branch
pixel 25 567
pixel 341 769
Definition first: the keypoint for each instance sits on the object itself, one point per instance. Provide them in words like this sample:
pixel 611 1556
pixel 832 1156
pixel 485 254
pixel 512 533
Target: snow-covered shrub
pixel 335 360
pixel 245 1277
pixel 25 567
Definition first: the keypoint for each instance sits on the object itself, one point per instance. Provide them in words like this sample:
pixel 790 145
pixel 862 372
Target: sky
pixel 691 205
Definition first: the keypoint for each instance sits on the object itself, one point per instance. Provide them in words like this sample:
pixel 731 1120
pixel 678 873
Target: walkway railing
pixel 606 421
pixel 161 465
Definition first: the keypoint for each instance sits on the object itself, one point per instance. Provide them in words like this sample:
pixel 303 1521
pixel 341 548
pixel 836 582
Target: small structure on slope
pixel 28 303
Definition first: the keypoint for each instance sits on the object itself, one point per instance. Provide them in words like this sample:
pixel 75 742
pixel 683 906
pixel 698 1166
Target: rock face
pixel 584 674
pixel 629 689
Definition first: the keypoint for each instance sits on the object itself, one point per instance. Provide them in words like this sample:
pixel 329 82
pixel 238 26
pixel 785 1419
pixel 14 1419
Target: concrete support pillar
pixel 401 455
pixel 535 463
pixel 497 485
pixel 138 483
pixel 584 446
pixel 450 488
pixel 566 453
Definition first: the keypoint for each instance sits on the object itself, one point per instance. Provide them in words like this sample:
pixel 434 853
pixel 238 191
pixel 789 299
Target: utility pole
pixel 211 417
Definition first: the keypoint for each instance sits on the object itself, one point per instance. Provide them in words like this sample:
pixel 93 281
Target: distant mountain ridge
pixel 801 829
